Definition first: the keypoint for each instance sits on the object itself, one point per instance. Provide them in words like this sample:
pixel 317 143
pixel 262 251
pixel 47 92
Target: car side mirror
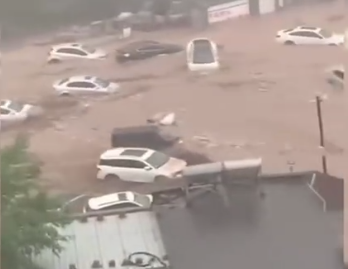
pixel 147 168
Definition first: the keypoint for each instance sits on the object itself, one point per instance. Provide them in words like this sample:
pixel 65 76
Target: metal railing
pixel 311 187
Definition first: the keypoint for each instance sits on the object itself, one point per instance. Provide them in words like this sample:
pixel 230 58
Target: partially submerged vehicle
pixel 335 77
pixel 202 55
pixel 13 112
pixel 143 136
pixel 145 49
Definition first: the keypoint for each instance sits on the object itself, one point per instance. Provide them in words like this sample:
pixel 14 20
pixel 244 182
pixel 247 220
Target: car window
pixel 157 159
pixel 18 107
pixel 305 34
pixel 135 164
pixel 81 84
pixel 120 206
pixel 4 111
pixel 150 48
pixel 325 34
pixel 113 163
pixel 339 74
pixel 72 51
pixel 112 207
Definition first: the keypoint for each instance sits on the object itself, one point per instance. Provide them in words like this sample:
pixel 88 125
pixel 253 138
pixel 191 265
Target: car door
pixel 151 51
pixel 82 87
pixel 72 53
pixel 120 206
pixel 306 38
pixel 136 171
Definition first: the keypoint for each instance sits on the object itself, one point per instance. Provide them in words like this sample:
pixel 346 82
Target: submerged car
pixel 335 77
pixel 138 165
pixel 12 111
pixel 307 35
pixel 77 85
pixel 143 136
pixel 74 51
pixel 202 55
pixel 120 200
pixel 141 50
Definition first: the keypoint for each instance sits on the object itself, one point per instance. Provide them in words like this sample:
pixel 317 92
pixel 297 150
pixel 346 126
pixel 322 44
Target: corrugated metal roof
pixel 107 240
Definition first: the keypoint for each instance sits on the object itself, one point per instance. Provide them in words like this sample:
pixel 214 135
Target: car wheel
pixel 53 61
pixel 288 42
pixel 112 178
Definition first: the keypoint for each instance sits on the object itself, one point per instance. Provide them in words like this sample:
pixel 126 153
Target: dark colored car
pixel 145 49
pixel 146 136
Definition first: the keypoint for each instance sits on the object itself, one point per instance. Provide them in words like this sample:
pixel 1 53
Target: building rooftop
pixel 286 229
pixel 108 243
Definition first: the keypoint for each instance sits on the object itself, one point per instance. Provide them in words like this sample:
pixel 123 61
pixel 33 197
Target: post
pixel 318 101
pixel 345 189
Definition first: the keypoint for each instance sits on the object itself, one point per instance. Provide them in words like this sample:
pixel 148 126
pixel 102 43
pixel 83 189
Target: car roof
pixel 306 28
pixel 5 103
pixel 136 129
pixel 78 78
pixel 68 45
pixel 110 199
pixel 127 153
pixel 139 44
pixel 336 67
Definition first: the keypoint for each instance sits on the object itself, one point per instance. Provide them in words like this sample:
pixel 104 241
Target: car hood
pixel 338 38
pixel 172 167
pixel 100 53
pixel 114 87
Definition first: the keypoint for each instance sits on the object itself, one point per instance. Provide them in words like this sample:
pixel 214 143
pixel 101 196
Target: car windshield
pixel 325 34
pixel 15 106
pixel 89 49
pixel 157 159
pixel 142 199
pixel 101 82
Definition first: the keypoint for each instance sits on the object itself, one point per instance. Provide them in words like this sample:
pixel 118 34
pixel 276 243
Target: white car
pixel 202 55
pixel 13 111
pixel 306 35
pixel 74 50
pixel 120 200
pixel 138 165
pixel 335 77
pixel 85 85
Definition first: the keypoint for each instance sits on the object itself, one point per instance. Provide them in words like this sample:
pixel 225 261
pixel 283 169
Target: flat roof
pixel 108 241
pixel 287 229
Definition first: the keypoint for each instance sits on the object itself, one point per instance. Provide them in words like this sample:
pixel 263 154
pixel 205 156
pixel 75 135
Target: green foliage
pixel 30 220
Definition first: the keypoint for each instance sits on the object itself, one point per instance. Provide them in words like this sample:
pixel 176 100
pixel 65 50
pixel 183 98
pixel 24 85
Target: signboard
pixel 228 11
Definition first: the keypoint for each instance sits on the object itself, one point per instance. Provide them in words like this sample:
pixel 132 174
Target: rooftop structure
pixel 286 229
pixel 131 240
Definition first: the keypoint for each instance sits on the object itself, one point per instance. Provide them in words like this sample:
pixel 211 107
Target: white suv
pixel 138 165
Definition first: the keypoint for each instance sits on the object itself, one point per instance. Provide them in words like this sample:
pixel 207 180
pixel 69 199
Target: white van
pixel 202 55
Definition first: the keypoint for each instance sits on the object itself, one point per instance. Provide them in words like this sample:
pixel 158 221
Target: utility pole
pixel 318 101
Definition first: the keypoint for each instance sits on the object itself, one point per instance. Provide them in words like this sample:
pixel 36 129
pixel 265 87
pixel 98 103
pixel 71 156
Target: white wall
pixel 267 6
pixel 227 11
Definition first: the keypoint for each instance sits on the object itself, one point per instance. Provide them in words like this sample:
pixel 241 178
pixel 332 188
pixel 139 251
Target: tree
pixel 30 220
